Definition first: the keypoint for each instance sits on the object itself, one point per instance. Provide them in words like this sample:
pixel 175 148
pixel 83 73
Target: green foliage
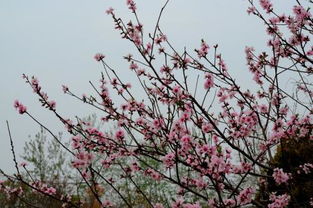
pixel 47 160
pixel 28 198
pixel 289 156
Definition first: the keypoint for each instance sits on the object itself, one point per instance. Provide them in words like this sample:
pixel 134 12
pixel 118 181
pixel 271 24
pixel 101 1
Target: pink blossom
pixel 23 164
pixel 50 191
pixel 230 202
pixel 177 90
pixel 65 88
pixel 263 108
pixel 251 10
pixel 189 205
pixel 52 104
pixel 280 201
pixel 109 11
pixel 99 57
pixel 306 167
pixel 148 47
pixel 310 52
pixel 163 37
pixel 178 203
pixel 200 183
pixel 185 117
pixel 245 196
pixel 154 174
pixel 165 69
pixel 20 107
pixel 196 146
pixel 158 205
pixel 119 134
pixel 203 51
pixel 301 13
pixel 133 66
pixel 169 160
pixel 107 203
pixel 135 167
pixel 157 123
pixel 187 61
pixel 279 176
pixel 86 174
pixel 206 128
pixel 76 142
pixel 266 5
pixel 209 81
pixel 222 64
pixel 131 5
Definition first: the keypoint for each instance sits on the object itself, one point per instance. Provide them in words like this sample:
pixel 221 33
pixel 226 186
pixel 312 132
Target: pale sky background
pixel 56 41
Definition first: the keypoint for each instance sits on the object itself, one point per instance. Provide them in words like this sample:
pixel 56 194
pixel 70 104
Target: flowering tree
pixel 194 128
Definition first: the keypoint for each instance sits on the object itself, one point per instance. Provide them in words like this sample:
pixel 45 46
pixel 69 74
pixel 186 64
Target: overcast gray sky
pixel 56 41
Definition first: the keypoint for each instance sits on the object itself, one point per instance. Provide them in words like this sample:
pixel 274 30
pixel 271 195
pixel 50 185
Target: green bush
pixel 289 156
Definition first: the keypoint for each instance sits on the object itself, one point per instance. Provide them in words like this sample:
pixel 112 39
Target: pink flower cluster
pixel 280 176
pixel 44 188
pixel 209 81
pixel 153 174
pixel 301 13
pixel 109 11
pixel 266 5
pixel 82 159
pixel 201 141
pixel 99 57
pixel 279 201
pixel 203 51
pixel 131 5
pixel 119 134
pixel 306 168
pixel 169 160
pixel 134 33
pixel 180 203
pixel 245 196
pixel 160 38
pixel 34 83
pixel 20 107
pixel 65 88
